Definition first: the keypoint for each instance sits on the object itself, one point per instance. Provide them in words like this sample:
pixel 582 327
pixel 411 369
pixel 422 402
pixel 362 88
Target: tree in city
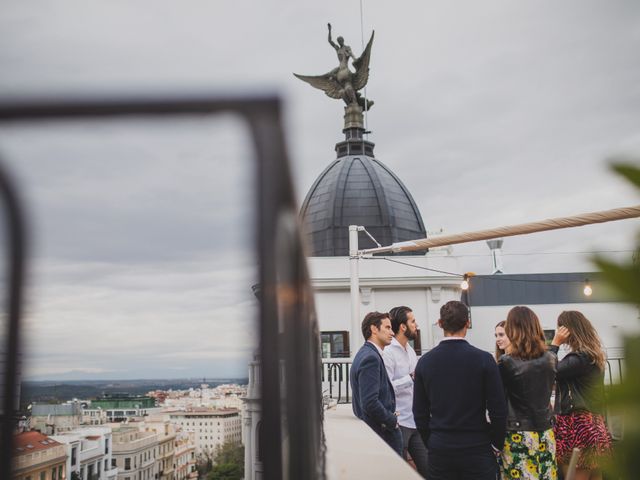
pixel 228 462
pixel 204 464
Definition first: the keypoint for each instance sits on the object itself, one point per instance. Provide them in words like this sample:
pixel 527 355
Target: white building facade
pixel 89 453
pixel 135 453
pixel 210 427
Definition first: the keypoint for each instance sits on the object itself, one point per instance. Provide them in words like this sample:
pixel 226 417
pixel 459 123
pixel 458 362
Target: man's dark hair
pixel 454 315
pixel 398 316
pixel 372 318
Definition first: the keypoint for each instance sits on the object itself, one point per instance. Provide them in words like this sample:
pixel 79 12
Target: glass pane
pixel 141 263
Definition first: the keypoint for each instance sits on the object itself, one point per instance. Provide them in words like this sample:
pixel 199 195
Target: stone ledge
pixel 355 452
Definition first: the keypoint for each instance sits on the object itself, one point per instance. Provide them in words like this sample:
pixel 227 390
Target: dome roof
pixel 358 190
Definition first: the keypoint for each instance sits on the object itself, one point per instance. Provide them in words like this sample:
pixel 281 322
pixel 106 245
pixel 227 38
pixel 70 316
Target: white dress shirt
pixel 400 362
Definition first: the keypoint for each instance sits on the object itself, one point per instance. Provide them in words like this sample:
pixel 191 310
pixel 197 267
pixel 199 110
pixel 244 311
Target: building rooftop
pixel 207 411
pixel 32 441
pixel 358 190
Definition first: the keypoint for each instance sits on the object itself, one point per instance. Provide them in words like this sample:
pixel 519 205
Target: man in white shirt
pixel 400 362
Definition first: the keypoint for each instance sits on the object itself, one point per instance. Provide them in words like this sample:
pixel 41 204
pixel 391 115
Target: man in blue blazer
pixel 373 399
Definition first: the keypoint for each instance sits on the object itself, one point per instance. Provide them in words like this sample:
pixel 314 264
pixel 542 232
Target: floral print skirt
pixel 529 456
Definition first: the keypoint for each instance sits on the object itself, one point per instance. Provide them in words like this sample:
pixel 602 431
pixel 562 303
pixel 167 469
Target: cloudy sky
pixel 492 113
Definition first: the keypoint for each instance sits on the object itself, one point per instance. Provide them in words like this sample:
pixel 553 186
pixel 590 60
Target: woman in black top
pixel 580 380
pixel 528 374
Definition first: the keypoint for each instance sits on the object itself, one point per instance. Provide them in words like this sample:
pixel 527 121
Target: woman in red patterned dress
pixel 580 383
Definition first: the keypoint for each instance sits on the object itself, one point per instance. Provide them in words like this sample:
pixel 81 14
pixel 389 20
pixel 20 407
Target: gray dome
pixel 358 190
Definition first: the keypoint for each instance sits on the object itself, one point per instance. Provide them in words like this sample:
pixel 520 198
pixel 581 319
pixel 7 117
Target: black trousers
pixel 415 446
pixel 461 465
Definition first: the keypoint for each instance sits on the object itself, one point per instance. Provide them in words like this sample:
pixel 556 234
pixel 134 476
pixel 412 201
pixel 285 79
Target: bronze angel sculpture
pixel 341 82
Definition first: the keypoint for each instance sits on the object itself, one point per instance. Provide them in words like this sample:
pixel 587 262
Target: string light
pixel 464 285
pixel 587 288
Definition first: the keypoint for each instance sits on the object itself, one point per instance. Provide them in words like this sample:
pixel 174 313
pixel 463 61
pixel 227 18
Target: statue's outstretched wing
pixel 361 65
pixel 326 83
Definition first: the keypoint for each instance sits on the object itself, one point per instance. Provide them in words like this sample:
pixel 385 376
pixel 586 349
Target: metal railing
pixel 289 343
pixel 335 380
pixel 336 387
pixel 614 371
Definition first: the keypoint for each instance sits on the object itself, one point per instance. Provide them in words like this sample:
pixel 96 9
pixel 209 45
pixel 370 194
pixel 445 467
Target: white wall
pixel 611 320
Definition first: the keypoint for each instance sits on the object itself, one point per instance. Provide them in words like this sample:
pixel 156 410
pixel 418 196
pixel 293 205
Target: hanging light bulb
pixel 587 288
pixel 464 284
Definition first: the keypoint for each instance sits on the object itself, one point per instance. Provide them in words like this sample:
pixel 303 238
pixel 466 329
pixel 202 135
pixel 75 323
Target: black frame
pixel 289 337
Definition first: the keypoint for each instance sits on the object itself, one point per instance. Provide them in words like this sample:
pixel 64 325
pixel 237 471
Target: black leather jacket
pixel 528 385
pixel 580 384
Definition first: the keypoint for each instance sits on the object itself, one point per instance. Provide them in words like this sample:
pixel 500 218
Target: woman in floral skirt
pixel 580 380
pixel 528 374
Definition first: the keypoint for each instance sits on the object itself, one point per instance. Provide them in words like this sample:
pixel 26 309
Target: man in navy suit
pixel 456 385
pixel 373 399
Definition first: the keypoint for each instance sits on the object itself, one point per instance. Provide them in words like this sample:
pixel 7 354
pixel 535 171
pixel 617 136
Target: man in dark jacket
pixel 456 385
pixel 373 400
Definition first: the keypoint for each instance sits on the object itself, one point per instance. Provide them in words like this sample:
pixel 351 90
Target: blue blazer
pixel 373 399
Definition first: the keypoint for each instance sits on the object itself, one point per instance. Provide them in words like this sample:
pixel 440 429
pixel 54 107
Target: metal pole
pixel 354 338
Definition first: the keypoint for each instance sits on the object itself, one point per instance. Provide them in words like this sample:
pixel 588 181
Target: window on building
pixel 54 474
pixel 127 463
pixel 74 454
pixel 113 463
pixel 43 475
pixel 60 472
pixel 106 446
pixel 335 344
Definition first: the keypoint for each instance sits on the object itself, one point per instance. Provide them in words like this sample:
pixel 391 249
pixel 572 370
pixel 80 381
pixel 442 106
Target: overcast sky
pixel 492 113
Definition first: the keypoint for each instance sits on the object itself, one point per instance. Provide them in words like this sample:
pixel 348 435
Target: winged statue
pixel 342 82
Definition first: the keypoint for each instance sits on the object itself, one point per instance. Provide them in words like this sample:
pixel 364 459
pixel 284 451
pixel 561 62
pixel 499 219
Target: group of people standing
pixel 459 413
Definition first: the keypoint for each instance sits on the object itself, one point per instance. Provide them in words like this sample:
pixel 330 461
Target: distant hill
pixel 58 391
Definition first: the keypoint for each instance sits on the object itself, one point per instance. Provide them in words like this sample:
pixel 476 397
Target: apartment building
pixel 38 457
pixel 211 427
pixel 89 453
pixel 185 457
pixel 165 460
pixel 135 452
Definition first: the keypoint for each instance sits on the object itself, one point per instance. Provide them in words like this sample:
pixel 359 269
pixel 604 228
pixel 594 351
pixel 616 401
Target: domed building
pixel 358 189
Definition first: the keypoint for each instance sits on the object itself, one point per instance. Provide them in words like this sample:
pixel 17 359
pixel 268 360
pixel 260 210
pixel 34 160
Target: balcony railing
pixel 335 380
pixel 336 386
pixel 614 370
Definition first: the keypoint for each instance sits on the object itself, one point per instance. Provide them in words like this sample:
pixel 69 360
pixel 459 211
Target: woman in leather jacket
pixel 580 384
pixel 528 374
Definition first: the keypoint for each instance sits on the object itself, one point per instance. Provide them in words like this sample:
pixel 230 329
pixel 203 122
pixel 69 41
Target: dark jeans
pixel 415 446
pixel 462 465
pixel 394 439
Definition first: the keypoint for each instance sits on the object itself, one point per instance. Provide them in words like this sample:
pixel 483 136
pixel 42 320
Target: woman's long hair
pixel 499 351
pixel 525 333
pixel 583 338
